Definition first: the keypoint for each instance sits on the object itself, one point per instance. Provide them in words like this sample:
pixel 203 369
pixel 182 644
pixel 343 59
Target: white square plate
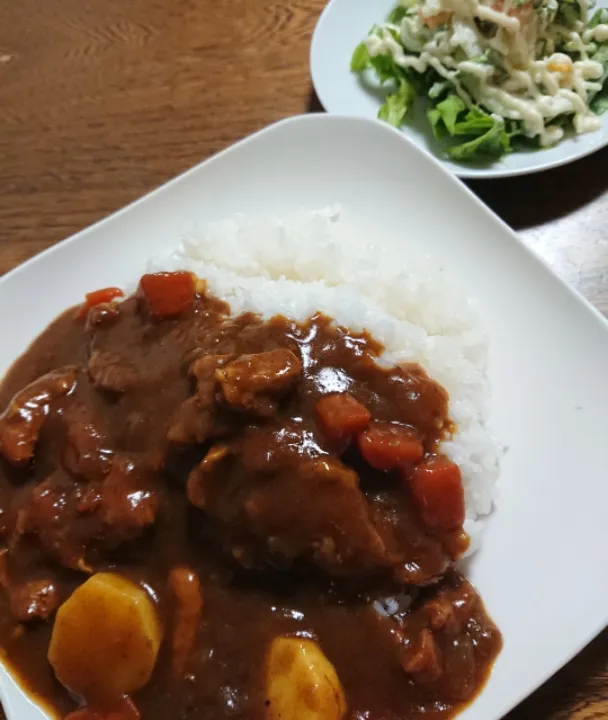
pixel 538 568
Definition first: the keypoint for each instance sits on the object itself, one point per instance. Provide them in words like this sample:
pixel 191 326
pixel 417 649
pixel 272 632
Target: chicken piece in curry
pixel 208 516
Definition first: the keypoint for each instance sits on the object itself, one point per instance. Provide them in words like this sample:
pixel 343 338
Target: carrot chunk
pixel 340 415
pixel 168 293
pixel 385 446
pixel 97 297
pixel 437 489
pixel 122 709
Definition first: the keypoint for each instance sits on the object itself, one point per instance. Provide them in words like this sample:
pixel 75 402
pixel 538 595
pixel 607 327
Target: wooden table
pixel 102 100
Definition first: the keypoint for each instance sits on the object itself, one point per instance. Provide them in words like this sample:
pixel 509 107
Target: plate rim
pixel 377 125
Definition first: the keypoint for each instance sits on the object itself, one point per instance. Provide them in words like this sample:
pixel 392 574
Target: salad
pixel 495 73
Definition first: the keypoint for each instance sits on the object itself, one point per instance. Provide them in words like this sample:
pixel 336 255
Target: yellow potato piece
pixel 106 638
pixel 301 683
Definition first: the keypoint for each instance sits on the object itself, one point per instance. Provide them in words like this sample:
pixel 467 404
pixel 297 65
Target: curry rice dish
pixel 209 513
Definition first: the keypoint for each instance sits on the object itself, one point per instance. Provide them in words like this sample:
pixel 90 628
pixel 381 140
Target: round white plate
pixel 342 26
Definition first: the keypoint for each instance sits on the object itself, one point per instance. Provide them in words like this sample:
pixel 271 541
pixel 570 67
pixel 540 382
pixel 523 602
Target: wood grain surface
pixel 102 100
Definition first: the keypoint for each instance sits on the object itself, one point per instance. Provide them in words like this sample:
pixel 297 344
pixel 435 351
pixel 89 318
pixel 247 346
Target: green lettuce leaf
pixel 475 122
pixel 514 128
pixel 493 143
pixel 444 115
pixel 568 13
pixel 434 118
pixel 360 59
pixel 486 135
pixel 601 56
pixel 396 15
pixel 599 102
pixel 385 68
pixel 397 104
pixel 599 16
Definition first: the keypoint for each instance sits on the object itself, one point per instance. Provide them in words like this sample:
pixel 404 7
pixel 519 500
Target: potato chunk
pixel 105 639
pixel 301 683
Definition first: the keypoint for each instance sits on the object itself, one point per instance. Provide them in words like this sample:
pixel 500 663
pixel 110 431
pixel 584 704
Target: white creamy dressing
pixel 598 34
pixel 517 84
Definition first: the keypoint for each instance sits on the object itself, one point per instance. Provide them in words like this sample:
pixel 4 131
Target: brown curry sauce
pixel 138 404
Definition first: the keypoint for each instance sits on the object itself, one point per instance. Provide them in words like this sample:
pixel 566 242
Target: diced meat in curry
pixel 214 494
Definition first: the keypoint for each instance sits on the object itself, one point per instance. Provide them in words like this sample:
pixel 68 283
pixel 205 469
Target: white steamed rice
pixel 313 261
